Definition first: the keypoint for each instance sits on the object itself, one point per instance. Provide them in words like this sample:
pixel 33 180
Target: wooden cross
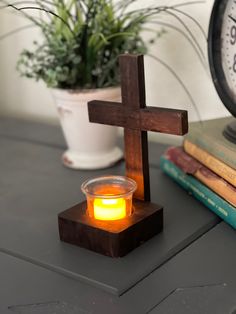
pixel 118 238
pixel 137 119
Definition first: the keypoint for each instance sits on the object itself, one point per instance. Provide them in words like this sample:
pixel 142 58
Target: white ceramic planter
pixel 90 145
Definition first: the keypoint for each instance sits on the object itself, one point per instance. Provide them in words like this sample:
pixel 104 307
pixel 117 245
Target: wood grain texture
pixel 136 146
pixel 116 238
pixel 164 120
pixel 136 157
pixel 106 112
pixel 170 121
pixel 132 81
pixel 136 119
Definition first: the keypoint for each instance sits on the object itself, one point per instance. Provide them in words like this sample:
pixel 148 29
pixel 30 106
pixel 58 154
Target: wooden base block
pixel 113 238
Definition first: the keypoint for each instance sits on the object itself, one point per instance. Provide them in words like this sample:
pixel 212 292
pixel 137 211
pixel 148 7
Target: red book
pixel 193 167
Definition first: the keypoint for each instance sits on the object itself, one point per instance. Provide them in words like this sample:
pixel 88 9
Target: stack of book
pixel 205 166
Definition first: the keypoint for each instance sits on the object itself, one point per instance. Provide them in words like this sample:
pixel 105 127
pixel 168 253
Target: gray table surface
pixel 42 275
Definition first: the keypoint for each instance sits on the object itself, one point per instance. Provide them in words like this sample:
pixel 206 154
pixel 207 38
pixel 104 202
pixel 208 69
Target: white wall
pixel 19 96
pixel 25 98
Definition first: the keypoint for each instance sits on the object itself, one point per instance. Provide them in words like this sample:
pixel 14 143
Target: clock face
pixel 228 45
pixel 222 51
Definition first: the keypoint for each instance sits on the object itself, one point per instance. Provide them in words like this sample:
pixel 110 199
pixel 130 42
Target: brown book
pixel 211 162
pixel 191 166
pixel 208 135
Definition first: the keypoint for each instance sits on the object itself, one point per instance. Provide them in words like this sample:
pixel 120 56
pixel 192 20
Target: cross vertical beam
pixel 136 144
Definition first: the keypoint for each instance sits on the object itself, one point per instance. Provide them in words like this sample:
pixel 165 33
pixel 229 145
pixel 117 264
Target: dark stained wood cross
pixel 137 119
pixel 118 238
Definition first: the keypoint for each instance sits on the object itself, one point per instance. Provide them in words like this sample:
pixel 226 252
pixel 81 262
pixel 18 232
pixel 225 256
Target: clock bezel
pixel 214 55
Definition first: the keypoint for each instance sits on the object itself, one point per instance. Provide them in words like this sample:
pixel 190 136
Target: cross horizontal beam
pixel 163 120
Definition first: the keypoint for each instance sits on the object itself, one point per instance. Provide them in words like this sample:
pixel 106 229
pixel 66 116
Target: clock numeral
pixel 234 65
pixel 233 35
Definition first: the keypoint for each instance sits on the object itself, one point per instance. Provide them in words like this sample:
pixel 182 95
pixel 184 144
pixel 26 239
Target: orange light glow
pixel 109 209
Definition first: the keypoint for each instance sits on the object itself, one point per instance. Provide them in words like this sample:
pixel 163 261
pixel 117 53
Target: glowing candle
pixel 109 209
pixel 109 198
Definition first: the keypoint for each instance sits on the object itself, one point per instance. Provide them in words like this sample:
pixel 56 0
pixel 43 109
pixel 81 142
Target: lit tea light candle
pixel 109 198
pixel 109 209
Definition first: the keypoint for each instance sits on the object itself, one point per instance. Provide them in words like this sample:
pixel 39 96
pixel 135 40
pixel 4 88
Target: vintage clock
pixel 222 57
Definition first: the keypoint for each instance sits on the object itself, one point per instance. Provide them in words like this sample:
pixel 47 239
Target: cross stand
pixel 120 237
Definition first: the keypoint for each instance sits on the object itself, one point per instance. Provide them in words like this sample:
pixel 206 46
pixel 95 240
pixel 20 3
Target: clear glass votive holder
pixel 109 197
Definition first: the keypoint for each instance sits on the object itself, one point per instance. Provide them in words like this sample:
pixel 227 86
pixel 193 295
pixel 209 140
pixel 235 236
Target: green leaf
pixel 82 40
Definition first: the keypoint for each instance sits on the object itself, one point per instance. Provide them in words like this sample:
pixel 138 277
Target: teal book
pixel 208 136
pixel 201 192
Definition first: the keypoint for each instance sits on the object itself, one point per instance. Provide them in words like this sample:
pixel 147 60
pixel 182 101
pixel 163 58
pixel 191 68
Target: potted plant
pixel 77 59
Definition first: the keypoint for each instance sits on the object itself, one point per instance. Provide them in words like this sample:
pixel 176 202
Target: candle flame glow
pixel 109 209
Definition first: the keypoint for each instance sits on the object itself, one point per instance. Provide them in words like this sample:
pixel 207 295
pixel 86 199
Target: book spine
pixel 213 147
pixel 216 165
pixel 215 203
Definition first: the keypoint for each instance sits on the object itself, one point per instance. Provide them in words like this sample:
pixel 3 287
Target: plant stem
pixel 15 31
